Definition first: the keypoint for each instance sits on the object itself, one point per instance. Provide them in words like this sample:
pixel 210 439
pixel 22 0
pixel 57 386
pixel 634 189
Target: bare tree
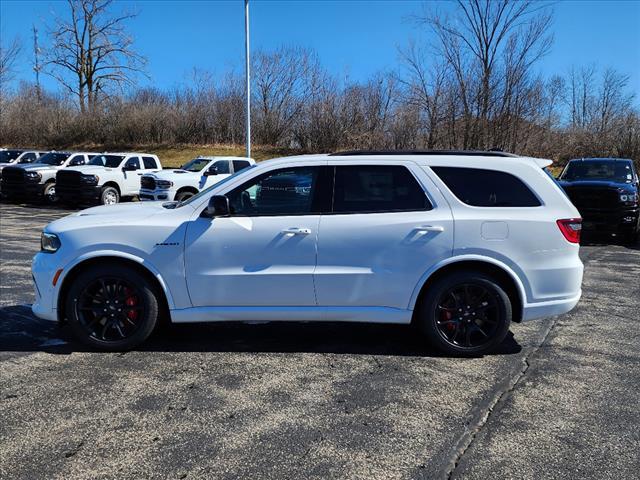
pixel 8 57
pixel 490 45
pixel 91 52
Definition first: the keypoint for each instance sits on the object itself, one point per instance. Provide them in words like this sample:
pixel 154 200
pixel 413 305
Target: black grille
pixel 68 178
pixel 13 175
pixel 148 183
pixel 585 198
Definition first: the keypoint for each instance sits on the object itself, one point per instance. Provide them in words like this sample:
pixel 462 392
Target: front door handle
pixel 430 228
pixel 296 231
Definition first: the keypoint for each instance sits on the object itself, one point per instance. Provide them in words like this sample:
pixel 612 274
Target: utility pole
pixel 247 77
pixel 36 62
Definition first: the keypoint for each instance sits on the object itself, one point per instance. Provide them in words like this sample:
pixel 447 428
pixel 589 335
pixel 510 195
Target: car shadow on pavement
pixel 21 331
pixel 594 239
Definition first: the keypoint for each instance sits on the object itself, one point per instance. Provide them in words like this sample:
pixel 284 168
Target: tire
pixel 112 308
pixel 109 196
pixel 445 320
pixel 49 193
pixel 182 196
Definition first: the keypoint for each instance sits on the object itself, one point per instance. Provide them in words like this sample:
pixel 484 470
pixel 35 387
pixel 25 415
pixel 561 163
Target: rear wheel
pixel 465 314
pixel 112 308
pixel 182 196
pixel 49 193
pixel 109 196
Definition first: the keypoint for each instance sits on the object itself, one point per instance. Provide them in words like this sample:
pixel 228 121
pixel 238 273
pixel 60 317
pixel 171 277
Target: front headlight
pixel 33 175
pixel 629 197
pixel 90 179
pixel 49 242
pixel 164 184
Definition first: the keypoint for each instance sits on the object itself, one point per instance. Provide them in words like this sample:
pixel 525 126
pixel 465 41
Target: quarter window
pixel 149 162
pixel 289 191
pixel 486 188
pixel 377 188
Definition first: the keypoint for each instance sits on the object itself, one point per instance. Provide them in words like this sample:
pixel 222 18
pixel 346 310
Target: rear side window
pixel 149 162
pixel 487 188
pixel 239 165
pixel 377 188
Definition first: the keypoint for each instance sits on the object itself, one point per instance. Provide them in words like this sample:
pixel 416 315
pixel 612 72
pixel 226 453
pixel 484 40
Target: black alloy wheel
pixel 465 313
pixel 112 307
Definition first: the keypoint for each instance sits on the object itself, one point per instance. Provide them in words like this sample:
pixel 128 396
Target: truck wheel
pixel 112 308
pixel 109 196
pixel 49 193
pixel 182 196
pixel 465 313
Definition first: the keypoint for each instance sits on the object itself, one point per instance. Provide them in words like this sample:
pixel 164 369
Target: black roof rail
pixel 468 153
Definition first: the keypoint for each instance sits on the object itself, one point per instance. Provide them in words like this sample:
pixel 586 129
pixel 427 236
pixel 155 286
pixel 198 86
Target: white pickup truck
pixel 37 181
pixel 106 179
pixel 192 177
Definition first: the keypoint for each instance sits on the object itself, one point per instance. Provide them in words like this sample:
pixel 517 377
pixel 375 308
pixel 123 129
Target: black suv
pixel 605 191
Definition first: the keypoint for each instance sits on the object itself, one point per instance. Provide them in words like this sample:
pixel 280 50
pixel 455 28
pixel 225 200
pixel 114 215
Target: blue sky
pixel 352 38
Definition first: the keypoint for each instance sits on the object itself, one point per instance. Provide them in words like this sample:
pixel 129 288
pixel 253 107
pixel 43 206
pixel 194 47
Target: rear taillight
pixel 571 228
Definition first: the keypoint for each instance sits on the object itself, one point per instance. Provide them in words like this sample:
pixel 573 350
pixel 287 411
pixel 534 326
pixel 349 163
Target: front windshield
pixel 616 171
pixel 206 191
pixel 53 158
pixel 7 156
pixel 111 161
pixel 195 165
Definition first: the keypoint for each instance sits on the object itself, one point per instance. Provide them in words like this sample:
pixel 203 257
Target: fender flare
pixel 115 253
pixel 467 258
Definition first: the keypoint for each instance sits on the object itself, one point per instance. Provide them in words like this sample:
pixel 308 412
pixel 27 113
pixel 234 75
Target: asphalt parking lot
pixel 560 400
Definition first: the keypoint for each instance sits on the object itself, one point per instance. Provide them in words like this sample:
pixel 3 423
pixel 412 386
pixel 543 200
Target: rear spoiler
pixel 541 162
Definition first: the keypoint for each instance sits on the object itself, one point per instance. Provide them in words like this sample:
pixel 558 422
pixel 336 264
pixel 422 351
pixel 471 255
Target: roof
pixel 466 153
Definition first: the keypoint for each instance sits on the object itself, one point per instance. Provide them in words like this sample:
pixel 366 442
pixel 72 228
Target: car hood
pixel 36 166
pixel 92 169
pixel 116 215
pixel 596 184
pixel 174 174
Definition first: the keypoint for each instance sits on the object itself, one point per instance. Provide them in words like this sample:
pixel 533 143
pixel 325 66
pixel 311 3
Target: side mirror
pixel 218 207
pixel 212 170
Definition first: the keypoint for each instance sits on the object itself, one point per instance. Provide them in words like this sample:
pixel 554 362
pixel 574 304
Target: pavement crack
pixel 500 395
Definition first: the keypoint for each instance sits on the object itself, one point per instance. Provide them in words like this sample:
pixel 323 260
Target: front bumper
pixel 157 195
pixel 21 190
pixel 82 194
pixel 43 270
pixel 610 221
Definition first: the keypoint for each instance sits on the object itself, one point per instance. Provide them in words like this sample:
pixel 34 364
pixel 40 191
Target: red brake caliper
pixel 131 301
pixel 446 315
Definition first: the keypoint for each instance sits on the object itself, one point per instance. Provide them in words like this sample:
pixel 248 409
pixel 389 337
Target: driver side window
pixel 281 192
pixel 222 166
pixel 133 163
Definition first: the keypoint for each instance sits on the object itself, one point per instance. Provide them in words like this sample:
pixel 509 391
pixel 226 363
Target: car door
pixel 132 173
pixel 388 226
pixel 264 253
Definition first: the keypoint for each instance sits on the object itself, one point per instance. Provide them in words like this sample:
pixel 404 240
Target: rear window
pixel 486 188
pixel 149 162
pixel 377 188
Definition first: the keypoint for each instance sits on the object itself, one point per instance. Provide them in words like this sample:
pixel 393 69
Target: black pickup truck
pixel 605 191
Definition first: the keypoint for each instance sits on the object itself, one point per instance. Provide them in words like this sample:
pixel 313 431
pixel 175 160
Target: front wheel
pixel 465 314
pixel 182 196
pixel 112 308
pixel 109 196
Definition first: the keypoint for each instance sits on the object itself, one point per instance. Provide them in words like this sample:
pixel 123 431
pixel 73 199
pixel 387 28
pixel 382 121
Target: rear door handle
pixel 430 228
pixel 296 231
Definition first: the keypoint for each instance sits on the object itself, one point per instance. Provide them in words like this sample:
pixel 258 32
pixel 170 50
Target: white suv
pixel 459 243
pixel 106 179
pixel 184 182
